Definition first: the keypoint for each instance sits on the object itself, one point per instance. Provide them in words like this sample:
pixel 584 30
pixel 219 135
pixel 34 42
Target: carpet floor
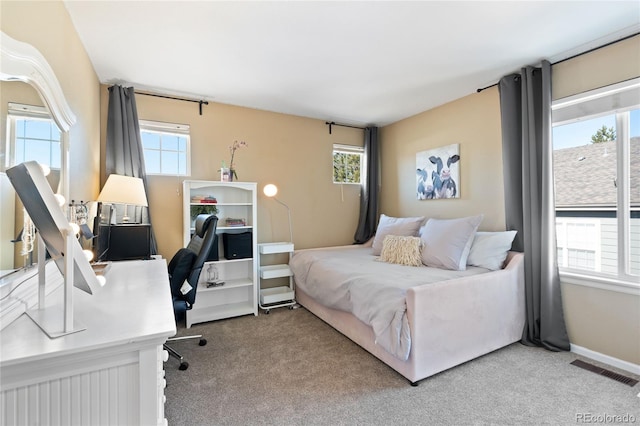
pixel 290 368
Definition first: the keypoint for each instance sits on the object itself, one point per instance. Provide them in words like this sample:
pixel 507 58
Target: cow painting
pixel 438 173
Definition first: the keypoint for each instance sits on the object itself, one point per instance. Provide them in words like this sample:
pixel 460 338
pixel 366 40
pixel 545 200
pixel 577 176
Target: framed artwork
pixel 438 173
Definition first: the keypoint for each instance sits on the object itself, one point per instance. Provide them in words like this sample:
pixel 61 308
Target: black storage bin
pixel 237 246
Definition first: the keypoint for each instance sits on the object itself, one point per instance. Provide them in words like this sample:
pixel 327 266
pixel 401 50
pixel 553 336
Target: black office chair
pixel 186 265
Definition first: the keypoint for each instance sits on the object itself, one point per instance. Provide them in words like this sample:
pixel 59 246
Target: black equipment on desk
pixel 125 241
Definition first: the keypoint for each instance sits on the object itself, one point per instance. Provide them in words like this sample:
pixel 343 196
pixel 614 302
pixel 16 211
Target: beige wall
pixel 48 27
pixel 612 64
pixel 293 152
pixel 603 321
pixel 474 123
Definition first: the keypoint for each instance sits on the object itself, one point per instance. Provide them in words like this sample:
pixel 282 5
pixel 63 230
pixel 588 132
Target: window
pixel 596 157
pixel 33 136
pixel 166 148
pixel 579 243
pixel 347 163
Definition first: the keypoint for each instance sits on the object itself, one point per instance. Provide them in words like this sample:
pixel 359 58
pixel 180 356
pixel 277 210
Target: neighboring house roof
pixel 585 176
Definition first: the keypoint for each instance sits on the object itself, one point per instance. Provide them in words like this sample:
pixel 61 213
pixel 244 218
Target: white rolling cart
pixel 281 296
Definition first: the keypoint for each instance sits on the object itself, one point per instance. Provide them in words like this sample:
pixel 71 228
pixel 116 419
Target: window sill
pixel 602 283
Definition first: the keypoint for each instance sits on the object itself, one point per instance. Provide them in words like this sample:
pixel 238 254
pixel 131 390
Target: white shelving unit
pixel 238 295
pixel 275 297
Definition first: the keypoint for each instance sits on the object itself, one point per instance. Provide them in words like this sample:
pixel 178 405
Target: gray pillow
pixel 402 226
pixel 447 242
pixel 489 249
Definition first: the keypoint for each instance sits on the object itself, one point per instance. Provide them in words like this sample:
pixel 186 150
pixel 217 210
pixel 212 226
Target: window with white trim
pixel 579 243
pixel 166 148
pixel 347 163
pixel 33 136
pixel 596 157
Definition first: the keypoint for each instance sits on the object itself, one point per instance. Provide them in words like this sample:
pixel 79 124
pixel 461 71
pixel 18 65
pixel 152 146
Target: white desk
pixel 111 373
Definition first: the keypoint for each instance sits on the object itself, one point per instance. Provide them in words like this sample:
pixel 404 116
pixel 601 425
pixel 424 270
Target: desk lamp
pixel 124 190
pixel 270 191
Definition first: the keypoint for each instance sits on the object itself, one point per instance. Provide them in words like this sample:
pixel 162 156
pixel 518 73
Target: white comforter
pixel 351 278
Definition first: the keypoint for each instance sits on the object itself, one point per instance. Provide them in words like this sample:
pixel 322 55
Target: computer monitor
pixel 127 241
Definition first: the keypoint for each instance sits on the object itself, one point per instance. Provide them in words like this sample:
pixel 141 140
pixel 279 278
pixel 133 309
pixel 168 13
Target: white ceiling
pixel 355 62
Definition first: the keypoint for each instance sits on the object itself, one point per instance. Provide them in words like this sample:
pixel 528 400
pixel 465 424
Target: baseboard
pixel 609 360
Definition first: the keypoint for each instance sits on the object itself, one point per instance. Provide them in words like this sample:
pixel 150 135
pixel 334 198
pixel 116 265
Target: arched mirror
pixel 35 121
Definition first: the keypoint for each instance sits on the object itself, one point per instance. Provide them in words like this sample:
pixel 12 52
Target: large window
pixel 166 148
pixel 33 136
pixel 347 163
pixel 596 156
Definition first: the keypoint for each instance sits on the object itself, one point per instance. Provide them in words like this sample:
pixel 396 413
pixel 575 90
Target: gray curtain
pixel 525 103
pixel 370 187
pixel 124 155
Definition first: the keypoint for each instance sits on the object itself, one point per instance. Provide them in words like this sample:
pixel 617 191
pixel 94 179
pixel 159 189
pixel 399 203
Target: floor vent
pixel 607 373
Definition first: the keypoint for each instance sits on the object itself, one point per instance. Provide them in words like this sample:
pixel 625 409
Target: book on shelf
pixel 204 199
pixel 235 222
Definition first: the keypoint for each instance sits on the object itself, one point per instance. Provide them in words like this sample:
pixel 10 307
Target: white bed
pixel 438 319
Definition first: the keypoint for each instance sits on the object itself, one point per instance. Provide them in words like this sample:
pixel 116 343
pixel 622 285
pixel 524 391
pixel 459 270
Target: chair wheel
pixel 267 312
pixel 202 342
pixel 183 365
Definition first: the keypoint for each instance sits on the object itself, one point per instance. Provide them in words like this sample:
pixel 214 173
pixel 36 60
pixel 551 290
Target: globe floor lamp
pixel 270 190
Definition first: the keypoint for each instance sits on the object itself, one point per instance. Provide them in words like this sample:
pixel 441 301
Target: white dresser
pixel 109 374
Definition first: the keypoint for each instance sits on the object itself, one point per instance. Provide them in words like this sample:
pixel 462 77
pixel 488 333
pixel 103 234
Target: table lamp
pixel 124 190
pixel 270 190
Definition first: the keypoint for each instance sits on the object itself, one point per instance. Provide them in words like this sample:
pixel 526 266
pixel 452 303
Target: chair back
pixel 201 244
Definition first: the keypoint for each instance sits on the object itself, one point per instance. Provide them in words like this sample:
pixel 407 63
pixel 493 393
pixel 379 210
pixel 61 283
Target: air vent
pixel 604 372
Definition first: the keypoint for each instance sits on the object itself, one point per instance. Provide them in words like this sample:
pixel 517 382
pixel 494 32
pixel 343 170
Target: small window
pixel 33 136
pixel 166 148
pixel 347 163
pixel 579 243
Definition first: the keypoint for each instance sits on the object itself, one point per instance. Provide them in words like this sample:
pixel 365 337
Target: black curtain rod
pixel 200 102
pixel 333 123
pixel 575 56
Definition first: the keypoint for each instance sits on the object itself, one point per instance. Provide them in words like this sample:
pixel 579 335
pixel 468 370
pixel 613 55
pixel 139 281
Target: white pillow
pixel 402 226
pixel 446 242
pixel 489 249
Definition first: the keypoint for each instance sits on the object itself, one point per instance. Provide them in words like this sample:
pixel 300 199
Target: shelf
pixel 239 295
pixel 220 204
pixel 223 260
pixel 272 248
pixel 221 312
pixel 202 287
pixel 226 228
pixel 276 295
pixel 275 271
pixel 232 228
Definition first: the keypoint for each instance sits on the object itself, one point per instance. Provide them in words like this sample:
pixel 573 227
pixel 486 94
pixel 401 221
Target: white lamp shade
pixel 123 190
pixel 270 190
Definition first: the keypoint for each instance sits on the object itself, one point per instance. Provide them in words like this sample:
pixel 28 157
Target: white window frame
pixel 170 129
pixel 561 234
pixel 615 99
pixel 348 149
pixel 17 112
